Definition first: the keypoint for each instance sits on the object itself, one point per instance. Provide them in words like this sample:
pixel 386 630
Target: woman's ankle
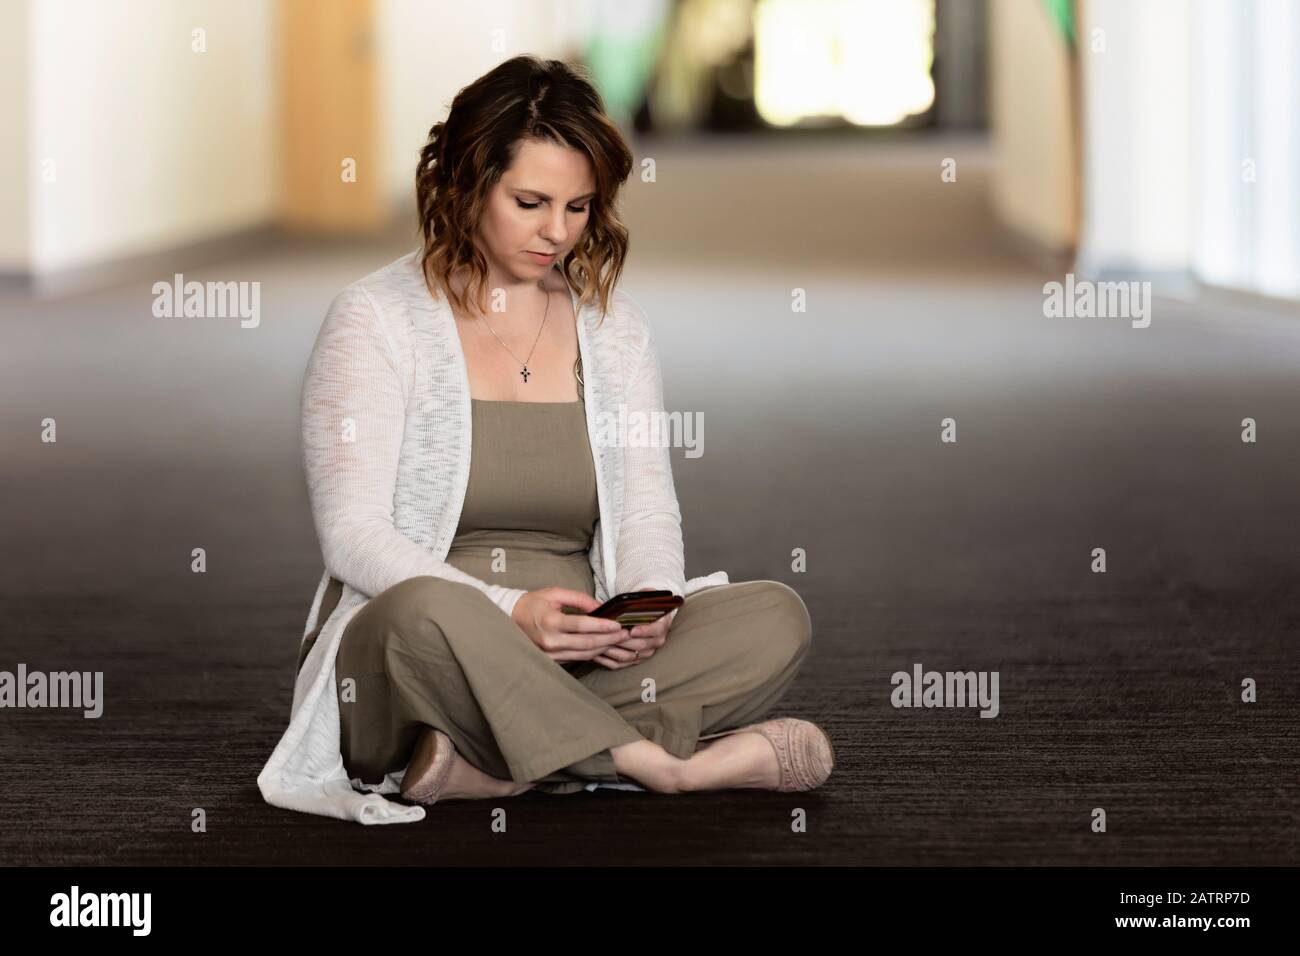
pixel 647 763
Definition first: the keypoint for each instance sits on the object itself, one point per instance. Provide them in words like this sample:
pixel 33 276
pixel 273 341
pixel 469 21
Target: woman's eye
pixel 534 205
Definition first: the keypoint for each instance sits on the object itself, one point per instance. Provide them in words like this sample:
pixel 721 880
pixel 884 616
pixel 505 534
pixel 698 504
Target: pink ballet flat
pixel 430 767
pixel 804 752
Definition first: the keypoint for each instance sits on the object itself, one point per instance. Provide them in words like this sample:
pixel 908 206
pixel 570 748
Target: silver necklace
pixel 524 370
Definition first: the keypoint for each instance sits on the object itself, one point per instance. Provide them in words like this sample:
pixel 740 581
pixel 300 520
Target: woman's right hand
pixel 565 637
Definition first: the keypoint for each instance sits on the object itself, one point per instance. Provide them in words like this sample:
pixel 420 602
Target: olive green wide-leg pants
pixel 438 653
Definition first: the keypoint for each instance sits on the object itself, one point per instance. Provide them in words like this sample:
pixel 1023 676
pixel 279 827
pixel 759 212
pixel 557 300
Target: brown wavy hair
pixel 466 154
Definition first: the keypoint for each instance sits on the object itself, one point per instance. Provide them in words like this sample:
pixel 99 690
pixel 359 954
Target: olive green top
pixel 531 493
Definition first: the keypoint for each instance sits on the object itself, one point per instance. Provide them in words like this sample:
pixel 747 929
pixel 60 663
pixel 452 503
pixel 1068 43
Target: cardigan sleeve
pixel 353 419
pixel 649 552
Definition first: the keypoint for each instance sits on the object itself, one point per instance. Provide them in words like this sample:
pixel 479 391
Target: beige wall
pixel 14 136
pixel 153 145
pixel 1033 186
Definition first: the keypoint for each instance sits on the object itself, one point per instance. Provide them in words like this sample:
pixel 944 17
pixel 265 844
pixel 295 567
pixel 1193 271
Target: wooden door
pixel 330 173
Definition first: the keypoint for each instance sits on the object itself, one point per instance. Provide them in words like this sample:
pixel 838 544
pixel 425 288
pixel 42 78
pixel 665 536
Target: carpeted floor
pixel 1118 690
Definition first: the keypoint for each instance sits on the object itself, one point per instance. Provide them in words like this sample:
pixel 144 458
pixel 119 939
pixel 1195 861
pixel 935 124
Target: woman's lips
pixel 542 258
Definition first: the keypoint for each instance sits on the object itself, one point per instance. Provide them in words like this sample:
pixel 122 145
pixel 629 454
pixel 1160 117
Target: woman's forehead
pixel 550 170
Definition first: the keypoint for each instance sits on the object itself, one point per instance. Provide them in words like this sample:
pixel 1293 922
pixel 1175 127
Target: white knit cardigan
pixel 386 450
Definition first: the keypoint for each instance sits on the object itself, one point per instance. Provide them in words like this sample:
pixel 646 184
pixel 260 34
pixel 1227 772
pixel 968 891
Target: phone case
pixel 636 607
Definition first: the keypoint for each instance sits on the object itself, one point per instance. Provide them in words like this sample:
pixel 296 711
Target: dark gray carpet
pixel 1118 691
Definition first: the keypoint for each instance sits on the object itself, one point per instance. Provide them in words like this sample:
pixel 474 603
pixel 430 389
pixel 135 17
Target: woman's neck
pixel 524 301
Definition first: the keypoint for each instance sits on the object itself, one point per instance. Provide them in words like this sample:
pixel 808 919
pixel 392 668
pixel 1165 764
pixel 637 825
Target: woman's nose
pixel 556 232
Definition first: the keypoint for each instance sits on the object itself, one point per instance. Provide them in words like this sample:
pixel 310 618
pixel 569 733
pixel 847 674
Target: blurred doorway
pixel 330 177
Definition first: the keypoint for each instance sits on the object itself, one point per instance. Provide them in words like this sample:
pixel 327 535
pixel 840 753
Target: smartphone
pixel 635 607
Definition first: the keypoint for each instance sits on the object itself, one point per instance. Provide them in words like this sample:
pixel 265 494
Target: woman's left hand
pixel 643 640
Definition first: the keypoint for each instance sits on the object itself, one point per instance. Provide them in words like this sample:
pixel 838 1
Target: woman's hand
pixel 565 637
pixel 641 643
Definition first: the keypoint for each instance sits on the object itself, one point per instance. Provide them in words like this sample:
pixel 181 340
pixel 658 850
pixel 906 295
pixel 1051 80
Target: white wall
pixel 14 134
pixel 153 145
pixel 429 50
pixel 1246 145
pixel 1138 197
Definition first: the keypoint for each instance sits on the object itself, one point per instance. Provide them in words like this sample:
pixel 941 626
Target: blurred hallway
pixel 822 435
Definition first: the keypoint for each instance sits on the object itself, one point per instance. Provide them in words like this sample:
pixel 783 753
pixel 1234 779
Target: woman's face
pixel 540 204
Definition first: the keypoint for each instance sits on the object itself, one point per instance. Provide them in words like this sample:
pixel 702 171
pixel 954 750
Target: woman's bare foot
pixel 744 760
pixel 736 761
pixel 468 782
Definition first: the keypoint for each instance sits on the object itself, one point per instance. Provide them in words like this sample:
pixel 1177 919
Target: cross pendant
pixel 524 373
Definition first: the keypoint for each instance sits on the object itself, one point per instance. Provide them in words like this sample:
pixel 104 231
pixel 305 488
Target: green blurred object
pixel 620 67
pixel 1061 13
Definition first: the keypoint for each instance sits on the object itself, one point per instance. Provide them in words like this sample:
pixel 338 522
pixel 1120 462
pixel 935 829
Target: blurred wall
pixel 1029 107
pixel 1137 65
pixel 14 137
pixel 961 63
pixel 427 52
pixel 151 143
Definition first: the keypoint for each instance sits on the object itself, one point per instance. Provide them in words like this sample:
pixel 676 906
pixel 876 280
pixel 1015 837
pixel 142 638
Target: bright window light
pixel 866 61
